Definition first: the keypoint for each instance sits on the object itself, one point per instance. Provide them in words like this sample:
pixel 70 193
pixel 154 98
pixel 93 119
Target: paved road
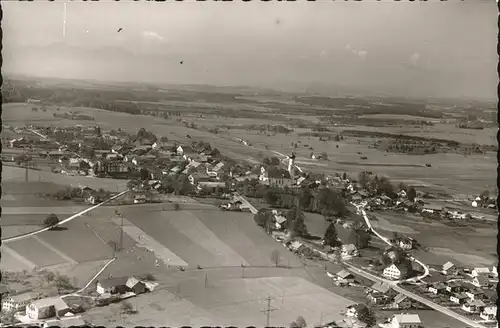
pixel 246 202
pixel 393 284
pixel 386 240
pixel 416 297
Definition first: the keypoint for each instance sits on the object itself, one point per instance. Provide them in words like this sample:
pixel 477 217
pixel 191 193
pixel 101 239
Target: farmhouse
pixel 348 251
pixel 475 294
pixel 392 272
pixel 489 313
pixel 18 302
pixel 482 281
pixel 449 268
pixel 112 285
pixel 438 288
pixel 140 199
pixel 135 286
pixel 459 298
pixel 479 271
pixel 345 276
pixel 405 243
pixel 383 288
pixel 47 308
pixel 454 287
pixel 474 306
pixel 402 302
pixel 378 298
pixel 406 320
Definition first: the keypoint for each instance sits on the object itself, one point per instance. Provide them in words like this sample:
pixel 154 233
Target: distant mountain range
pixel 113 63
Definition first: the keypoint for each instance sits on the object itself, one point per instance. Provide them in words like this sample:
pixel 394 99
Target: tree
pixel 51 220
pixel 359 236
pixel 331 238
pixel 305 199
pixel 133 184
pixel 363 179
pixel 275 257
pixel 366 315
pixel 63 282
pixel 262 216
pixel 485 195
pixel 271 197
pixel 177 207
pixel 127 308
pixel 412 193
pixel 384 186
pixel 215 153
pixel 324 155
pixel 295 222
pixel 275 161
pixel 144 174
pixel 331 202
pixel 344 176
pixel 113 245
pixel 49 276
pixel 164 139
pixel 405 268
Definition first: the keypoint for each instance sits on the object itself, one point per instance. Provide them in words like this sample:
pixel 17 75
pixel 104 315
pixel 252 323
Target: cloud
pixel 414 58
pixel 362 54
pixel 149 35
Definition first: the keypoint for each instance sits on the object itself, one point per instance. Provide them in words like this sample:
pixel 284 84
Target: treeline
pixel 326 201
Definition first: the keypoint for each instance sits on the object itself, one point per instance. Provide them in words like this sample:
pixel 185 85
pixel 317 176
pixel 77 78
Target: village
pixel 156 167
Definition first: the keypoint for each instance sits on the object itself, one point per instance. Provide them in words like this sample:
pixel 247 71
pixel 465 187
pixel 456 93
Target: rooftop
pixel 278 173
pixel 408 318
pixel 113 282
pixel 24 297
pixel 56 302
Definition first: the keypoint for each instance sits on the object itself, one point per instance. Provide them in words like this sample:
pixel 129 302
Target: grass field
pixel 15 174
pixel 209 237
pixel 236 302
pixel 474 245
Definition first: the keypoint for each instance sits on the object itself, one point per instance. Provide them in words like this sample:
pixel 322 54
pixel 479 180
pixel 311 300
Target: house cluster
pixel 122 287
pixel 234 205
pixel 36 308
pixel 484 202
pixel 402 320
pixel 382 295
pixel 472 292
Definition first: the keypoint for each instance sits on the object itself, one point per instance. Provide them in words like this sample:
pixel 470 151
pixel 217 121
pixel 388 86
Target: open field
pixel 236 302
pixel 472 173
pixel 75 244
pixel 208 237
pixel 16 174
pixel 474 245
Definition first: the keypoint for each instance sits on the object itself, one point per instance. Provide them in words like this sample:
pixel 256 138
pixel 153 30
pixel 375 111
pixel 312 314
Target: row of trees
pixel 359 236
pixel 294 221
pixel 326 201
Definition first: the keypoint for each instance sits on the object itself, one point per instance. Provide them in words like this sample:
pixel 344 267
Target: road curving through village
pixel 361 210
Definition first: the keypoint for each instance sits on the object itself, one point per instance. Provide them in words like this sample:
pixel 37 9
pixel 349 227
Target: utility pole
pixel 121 232
pixel 121 228
pixel 268 311
pixel 206 280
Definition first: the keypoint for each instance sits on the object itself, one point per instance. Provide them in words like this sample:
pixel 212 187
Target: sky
pixel 414 49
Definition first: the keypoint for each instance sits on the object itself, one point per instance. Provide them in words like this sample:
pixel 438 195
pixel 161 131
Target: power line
pixel 268 311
